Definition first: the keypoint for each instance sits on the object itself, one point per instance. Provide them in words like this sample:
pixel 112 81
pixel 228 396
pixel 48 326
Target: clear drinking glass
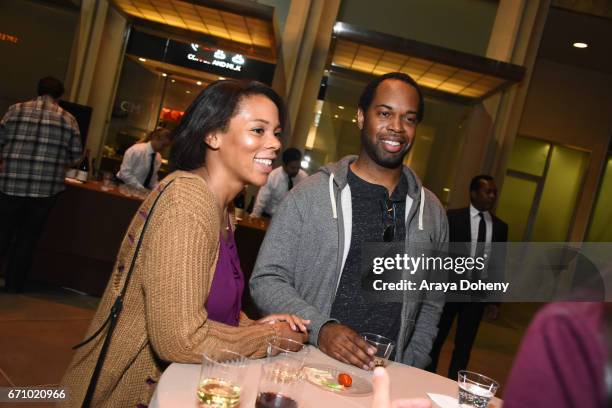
pixel 475 390
pixel 107 181
pixel 280 383
pixel 221 379
pixel 286 346
pixel 281 380
pixel 384 347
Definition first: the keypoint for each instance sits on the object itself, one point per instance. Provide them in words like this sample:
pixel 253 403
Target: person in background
pixel 184 296
pixel 38 141
pixel 142 161
pixel 281 180
pixel 564 360
pixel 330 217
pixel 473 225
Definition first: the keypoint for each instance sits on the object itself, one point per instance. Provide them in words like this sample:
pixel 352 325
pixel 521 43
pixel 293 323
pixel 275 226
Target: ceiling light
pixel 335 116
pixel 580 45
pixel 199 82
pixel 221 78
pixel 173 81
pixel 142 59
pixel 354 121
pixel 188 92
pixel 340 107
pixel 164 74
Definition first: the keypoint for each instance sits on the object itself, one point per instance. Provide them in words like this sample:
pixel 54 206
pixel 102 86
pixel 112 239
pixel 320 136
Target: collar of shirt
pixel 474 212
pixel 150 148
pixel 362 188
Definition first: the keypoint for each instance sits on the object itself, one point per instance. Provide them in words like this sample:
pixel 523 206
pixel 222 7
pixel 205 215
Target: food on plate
pixel 345 380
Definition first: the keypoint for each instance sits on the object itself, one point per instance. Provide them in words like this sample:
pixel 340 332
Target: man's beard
pixel 379 156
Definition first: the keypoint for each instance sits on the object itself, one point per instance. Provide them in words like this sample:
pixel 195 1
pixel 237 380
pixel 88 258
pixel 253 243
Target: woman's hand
pixel 382 390
pixel 295 322
pixel 285 331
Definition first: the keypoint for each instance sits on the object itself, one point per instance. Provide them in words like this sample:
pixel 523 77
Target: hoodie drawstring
pixel 422 204
pixel 332 198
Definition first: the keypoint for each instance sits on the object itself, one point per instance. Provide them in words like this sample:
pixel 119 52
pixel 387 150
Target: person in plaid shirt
pixel 38 142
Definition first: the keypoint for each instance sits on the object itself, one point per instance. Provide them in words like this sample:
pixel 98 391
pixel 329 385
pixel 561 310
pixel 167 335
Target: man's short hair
pixel 475 183
pixel 50 86
pixel 290 155
pixel 365 100
pixel 159 133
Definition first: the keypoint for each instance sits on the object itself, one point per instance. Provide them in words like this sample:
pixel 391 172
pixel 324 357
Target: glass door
pixel 542 185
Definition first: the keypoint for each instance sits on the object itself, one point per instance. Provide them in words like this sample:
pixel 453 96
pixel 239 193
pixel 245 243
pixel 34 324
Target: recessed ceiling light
pixel 340 107
pixel 173 80
pixel 142 59
pixel 221 78
pixel 199 82
pixel 164 74
pixel 580 45
pixel 335 116
pixel 187 91
pixel 354 121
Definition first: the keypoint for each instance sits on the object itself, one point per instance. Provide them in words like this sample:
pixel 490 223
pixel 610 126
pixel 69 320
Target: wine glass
pixel 281 380
pixel 221 379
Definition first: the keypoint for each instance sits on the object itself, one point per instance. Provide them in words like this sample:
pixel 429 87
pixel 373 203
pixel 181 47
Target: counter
pixel 84 231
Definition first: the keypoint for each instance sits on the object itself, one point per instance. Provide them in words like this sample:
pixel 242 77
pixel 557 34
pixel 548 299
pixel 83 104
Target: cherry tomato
pixel 345 379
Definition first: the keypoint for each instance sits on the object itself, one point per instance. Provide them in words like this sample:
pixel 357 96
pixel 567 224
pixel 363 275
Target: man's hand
pixel 342 343
pixel 382 389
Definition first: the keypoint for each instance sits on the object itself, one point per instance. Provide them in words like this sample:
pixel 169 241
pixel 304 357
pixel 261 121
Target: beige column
pixel 85 49
pixel 291 40
pixel 96 57
pixel 308 34
pixel 492 126
pixel 105 77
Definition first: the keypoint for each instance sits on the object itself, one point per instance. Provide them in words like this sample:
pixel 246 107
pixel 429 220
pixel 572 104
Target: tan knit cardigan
pixel 163 318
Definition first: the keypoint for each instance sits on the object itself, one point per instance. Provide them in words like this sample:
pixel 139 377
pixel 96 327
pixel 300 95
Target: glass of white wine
pixel 221 378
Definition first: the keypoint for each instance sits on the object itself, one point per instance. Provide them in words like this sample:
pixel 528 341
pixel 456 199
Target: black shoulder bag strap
pixel 111 320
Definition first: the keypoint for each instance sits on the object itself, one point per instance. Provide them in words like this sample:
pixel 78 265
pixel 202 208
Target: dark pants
pixel 23 219
pixel 468 320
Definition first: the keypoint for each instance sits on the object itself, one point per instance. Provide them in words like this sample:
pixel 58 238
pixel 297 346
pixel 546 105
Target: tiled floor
pixel 39 327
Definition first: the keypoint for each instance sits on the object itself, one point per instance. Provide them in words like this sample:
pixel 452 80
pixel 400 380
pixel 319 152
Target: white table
pixel 177 385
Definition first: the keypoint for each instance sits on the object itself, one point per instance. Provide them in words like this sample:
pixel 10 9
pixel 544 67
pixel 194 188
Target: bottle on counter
pixel 72 172
pixel 83 168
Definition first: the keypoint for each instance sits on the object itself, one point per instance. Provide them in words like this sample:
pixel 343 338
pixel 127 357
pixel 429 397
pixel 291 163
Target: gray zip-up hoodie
pixel 301 259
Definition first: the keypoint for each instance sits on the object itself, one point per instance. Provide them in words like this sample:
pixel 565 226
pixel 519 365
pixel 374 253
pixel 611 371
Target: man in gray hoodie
pixel 309 262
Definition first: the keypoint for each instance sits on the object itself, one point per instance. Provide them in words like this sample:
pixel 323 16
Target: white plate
pixel 326 377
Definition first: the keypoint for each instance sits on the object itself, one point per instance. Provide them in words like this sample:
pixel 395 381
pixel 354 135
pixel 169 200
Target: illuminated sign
pixel 9 38
pixel 211 58
pixel 218 58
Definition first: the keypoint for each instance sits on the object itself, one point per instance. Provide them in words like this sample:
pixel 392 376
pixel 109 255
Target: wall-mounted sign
pixel 202 57
pixel 9 38
pixel 220 58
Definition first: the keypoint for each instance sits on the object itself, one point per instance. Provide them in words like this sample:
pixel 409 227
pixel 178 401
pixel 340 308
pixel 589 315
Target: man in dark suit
pixel 475 226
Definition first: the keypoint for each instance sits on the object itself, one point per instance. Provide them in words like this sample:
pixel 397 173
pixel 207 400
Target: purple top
pixel 561 360
pixel 225 296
